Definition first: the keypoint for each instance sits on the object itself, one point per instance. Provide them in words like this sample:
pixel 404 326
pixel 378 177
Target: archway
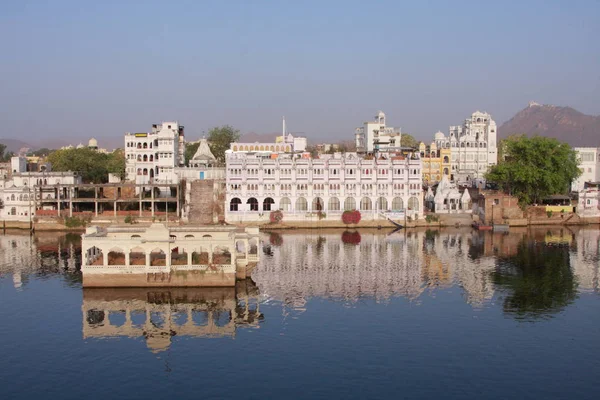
pixel 349 204
pixel 285 204
pixel 382 203
pixel 397 204
pixel 234 204
pixel 253 204
pixel 334 204
pixel 301 204
pixel 221 256
pixel 200 257
pixel 268 204
pixel 116 256
pixel 94 256
pixel 137 256
pixel 366 204
pixel 413 204
pixel 158 258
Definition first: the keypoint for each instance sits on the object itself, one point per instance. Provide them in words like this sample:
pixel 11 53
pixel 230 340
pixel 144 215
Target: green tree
pixel 44 151
pixel 408 141
pixel 190 150
pixel 534 168
pixel 219 139
pixel 116 163
pixel 5 156
pixel 92 165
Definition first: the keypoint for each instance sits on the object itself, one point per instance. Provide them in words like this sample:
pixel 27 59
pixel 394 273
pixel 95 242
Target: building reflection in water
pixel 157 314
pixel 347 266
pixel 23 255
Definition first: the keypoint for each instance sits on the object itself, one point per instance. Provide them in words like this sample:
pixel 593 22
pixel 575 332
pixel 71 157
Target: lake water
pixel 328 314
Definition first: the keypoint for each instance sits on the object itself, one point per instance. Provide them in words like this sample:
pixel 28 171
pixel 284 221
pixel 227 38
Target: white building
pixel 303 187
pixel 375 136
pixel 474 147
pixel 152 157
pixel 448 199
pixel 588 164
pixel 19 194
pixel 286 143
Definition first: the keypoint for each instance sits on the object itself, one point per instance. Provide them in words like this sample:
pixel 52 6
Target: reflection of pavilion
pixel 167 256
pixel 159 313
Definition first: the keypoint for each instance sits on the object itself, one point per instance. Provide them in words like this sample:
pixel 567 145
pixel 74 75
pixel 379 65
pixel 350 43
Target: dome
pixel 79 146
pixel 439 136
pixel 92 143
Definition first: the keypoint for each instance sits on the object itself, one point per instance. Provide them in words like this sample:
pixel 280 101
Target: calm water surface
pixel 330 314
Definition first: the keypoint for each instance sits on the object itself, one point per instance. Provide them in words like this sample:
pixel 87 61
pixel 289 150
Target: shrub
pixel 130 219
pixel 76 222
pixel 276 216
pixel 549 214
pixel 432 218
pixel 351 217
pixel 350 237
pixel 321 215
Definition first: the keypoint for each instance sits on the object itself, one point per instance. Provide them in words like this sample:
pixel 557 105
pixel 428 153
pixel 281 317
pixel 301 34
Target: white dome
pixel 439 136
pixel 92 143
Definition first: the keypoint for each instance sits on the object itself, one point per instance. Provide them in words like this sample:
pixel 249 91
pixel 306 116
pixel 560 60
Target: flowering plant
pixel 276 216
pixel 351 217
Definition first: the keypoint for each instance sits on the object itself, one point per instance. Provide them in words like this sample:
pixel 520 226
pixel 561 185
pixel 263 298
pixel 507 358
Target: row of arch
pixel 144 145
pixel 317 204
pixel 274 148
pixel 21 197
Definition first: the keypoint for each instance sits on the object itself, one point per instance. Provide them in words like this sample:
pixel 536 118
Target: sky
pixel 72 70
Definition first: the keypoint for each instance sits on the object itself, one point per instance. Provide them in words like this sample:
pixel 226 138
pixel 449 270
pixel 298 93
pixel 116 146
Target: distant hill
pixel 563 123
pixel 15 145
pixel 252 137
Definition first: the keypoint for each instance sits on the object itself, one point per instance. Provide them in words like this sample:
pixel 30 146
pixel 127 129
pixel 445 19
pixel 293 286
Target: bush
pixel 432 218
pixel 276 216
pixel 76 222
pixel 351 217
pixel 349 237
pixel 130 219
pixel 549 214
pixel 321 215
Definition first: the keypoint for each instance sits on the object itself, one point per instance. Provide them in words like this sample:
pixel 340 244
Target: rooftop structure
pixel 376 136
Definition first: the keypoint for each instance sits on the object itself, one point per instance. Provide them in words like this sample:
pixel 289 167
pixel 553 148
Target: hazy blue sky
pixel 101 68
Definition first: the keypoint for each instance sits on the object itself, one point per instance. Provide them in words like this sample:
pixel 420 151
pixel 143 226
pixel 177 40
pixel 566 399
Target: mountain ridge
pixel 563 123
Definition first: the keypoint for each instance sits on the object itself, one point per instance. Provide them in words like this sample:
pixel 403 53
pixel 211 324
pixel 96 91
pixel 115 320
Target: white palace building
pixel 307 188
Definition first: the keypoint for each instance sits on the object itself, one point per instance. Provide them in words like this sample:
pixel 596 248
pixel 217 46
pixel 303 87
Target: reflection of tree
pixel 351 237
pixel 539 279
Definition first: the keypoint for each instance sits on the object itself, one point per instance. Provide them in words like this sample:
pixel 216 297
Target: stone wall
pixel 202 202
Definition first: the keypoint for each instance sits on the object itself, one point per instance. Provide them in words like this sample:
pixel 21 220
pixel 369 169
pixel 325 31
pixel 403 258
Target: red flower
pixel 351 217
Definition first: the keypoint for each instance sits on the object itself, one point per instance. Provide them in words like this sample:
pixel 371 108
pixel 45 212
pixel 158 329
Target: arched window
pixel 397 204
pixel 382 203
pixel 139 171
pixel 317 204
pixel 334 204
pixel 349 204
pixel 13 211
pixel 272 148
pixel 366 204
pixel 262 148
pixel 234 204
pixel 413 204
pixel 145 158
pixel 151 157
pixel 285 204
pixel 145 145
pixel 446 160
pixel 301 204
pixel 268 204
pixel 235 148
pixel 145 171
pixel 253 204
pixel 139 145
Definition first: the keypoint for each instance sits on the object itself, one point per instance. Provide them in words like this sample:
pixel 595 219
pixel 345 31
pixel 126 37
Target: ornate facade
pixel 473 147
pixel 152 157
pixel 329 185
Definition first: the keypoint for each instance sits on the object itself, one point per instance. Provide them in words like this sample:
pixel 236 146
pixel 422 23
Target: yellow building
pixel 436 162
